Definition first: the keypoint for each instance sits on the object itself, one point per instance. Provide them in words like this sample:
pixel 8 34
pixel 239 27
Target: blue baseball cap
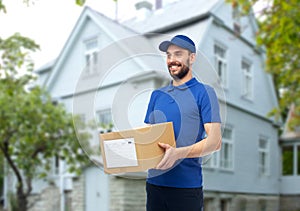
pixel 180 41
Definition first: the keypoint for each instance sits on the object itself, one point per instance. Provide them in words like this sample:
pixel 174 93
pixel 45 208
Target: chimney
pixel 158 4
pixel 143 9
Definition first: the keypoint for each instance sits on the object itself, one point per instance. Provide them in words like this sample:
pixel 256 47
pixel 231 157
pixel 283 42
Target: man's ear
pixel 192 58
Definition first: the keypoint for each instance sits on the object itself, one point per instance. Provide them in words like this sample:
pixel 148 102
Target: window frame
pixel 295 159
pixel 215 159
pixel 223 77
pixel 230 143
pixel 247 75
pixel 236 19
pixel 91 54
pixel 264 170
pixel 106 126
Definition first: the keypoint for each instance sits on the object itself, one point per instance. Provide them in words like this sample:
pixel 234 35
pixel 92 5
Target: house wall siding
pixel 245 176
pixel 242 186
pixel 74 62
pixel 264 99
pixel 225 13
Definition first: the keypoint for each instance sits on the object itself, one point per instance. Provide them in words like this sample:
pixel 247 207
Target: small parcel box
pixel 136 149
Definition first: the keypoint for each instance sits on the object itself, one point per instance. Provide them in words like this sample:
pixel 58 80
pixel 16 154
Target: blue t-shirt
pixel 189 106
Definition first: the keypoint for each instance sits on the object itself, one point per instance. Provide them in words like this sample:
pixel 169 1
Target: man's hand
pixel 170 157
pixel 211 143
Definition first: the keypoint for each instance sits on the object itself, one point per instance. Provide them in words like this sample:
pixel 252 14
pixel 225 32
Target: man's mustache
pixel 174 63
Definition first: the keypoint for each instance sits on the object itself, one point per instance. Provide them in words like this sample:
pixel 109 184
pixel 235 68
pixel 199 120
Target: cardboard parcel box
pixel 136 149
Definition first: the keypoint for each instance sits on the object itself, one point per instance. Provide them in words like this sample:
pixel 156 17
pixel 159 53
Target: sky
pixel 50 22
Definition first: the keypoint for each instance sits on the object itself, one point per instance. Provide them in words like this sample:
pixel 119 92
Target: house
pixel 290 162
pixel 107 70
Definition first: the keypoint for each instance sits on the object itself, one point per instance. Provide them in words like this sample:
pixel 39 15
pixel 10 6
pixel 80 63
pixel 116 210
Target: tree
pixel 279 26
pixel 33 129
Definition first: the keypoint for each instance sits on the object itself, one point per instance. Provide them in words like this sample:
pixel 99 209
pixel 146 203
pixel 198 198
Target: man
pixel 176 182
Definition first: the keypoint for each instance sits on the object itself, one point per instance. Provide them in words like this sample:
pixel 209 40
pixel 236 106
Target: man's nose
pixel 171 58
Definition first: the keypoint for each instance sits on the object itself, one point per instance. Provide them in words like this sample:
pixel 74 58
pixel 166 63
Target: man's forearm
pixel 199 149
pixel 204 147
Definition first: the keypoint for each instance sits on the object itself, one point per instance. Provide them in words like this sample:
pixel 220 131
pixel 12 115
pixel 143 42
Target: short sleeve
pixel 149 118
pixel 209 107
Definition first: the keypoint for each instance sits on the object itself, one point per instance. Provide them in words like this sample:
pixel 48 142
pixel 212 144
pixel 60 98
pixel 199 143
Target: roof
pixel 163 19
pixel 288 132
pixel 160 20
pixel 46 67
pixel 113 29
pixel 119 30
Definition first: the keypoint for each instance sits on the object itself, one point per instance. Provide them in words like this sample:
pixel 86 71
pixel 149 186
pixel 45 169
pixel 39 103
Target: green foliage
pixel 36 130
pixel 80 2
pixel 279 26
pixel 2 6
pixel 33 129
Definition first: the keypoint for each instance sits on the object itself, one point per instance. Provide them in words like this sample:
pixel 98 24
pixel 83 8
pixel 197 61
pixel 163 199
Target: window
pixel 236 16
pixel 211 160
pixel 224 158
pixel 247 80
pixel 263 150
pixel 291 160
pixel 226 154
pixel 104 120
pixel 220 63
pixel 288 160
pixel 91 58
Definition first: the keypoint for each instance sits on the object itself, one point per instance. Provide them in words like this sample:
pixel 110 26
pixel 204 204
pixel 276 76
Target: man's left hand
pixel 170 157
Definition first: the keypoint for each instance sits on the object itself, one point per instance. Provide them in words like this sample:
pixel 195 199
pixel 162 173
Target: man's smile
pixel 174 65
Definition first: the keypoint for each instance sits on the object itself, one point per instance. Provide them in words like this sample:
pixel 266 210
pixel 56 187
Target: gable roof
pixel 187 11
pixel 115 30
pixel 288 133
pixel 162 20
pixel 46 67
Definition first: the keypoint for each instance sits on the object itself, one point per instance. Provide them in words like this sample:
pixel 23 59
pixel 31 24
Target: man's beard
pixel 181 73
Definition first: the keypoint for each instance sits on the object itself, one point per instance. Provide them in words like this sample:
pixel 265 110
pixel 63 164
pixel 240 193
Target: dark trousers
pixel 173 199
